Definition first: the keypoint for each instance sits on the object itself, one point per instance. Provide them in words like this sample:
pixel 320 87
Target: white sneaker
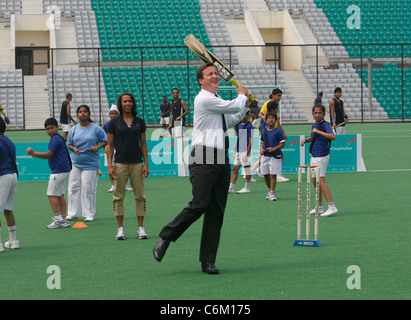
pixel 330 211
pixel 282 179
pixel 88 219
pixel 63 223
pixel 320 210
pixel 272 197
pixel 69 218
pixel 231 191
pixel 12 244
pixel 120 234
pixel 129 189
pixel 1 247
pixel 111 189
pixel 244 190
pixel 141 233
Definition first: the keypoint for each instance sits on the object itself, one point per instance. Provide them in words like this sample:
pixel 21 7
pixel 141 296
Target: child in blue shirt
pixel 320 137
pixel 242 155
pixel 271 142
pixel 60 165
pixel 8 186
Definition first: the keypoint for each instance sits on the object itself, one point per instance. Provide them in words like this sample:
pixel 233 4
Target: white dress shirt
pixel 208 125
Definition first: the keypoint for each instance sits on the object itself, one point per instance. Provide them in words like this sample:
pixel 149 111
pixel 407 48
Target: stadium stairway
pixel 32 6
pixel 66 38
pixel 309 38
pixel 239 35
pixel 256 5
pixel 301 90
pixel 37 101
pixel 5 52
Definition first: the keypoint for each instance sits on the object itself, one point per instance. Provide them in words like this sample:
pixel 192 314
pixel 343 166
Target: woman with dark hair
pixel 84 140
pixel 127 135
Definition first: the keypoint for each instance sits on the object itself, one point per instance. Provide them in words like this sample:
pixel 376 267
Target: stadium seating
pixel 131 32
pixel 12 96
pixel 136 23
pixel 388 90
pixel 382 22
pixel 8 7
pixel 84 84
pixel 346 77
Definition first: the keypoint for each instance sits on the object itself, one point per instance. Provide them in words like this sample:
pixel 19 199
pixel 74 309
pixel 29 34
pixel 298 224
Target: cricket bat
pixel 339 125
pixel 204 54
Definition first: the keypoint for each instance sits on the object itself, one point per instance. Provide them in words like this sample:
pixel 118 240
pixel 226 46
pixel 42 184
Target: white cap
pixel 113 108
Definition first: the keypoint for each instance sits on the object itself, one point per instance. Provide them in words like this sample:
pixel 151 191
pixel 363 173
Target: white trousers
pixel 8 187
pixel 82 189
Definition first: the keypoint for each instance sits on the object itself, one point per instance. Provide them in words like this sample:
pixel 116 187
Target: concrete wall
pixel 278 27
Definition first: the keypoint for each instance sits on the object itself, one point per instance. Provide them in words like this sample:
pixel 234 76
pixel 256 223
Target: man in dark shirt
pixel 165 109
pixel 179 111
pixel 65 116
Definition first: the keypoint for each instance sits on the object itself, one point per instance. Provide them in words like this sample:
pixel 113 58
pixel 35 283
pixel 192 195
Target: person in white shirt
pixel 209 167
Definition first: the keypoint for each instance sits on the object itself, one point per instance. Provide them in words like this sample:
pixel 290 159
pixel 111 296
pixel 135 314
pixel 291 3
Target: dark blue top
pixel 164 107
pixel 6 165
pixel 271 139
pixel 59 162
pixel 127 139
pixel 245 131
pixel 321 147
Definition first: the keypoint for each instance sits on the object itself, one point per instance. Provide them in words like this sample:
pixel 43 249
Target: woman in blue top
pixel 84 140
pixel 320 137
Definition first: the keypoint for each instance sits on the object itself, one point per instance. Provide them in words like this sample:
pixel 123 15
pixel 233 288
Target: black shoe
pixel 209 268
pixel 160 249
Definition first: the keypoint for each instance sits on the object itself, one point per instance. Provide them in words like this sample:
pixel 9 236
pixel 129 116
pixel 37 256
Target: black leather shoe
pixel 209 268
pixel 160 249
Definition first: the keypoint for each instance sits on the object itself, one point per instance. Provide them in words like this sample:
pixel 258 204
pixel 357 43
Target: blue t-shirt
pixel 321 147
pixel 164 107
pixel 105 126
pixel 245 131
pixel 6 165
pixel 83 139
pixel 59 162
pixel 271 139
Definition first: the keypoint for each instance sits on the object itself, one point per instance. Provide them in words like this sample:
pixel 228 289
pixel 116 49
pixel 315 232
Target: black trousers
pixel 210 183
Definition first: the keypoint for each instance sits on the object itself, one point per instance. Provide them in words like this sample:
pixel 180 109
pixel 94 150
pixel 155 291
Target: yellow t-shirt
pixel 264 110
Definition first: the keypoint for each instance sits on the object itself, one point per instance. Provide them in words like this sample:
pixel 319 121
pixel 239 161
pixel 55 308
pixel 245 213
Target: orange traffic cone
pixel 79 225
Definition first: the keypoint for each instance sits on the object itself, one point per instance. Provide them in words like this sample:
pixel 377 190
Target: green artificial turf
pixel 257 259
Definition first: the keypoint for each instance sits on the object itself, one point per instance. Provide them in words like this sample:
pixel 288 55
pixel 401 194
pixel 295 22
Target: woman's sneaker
pixel 141 233
pixel 120 234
